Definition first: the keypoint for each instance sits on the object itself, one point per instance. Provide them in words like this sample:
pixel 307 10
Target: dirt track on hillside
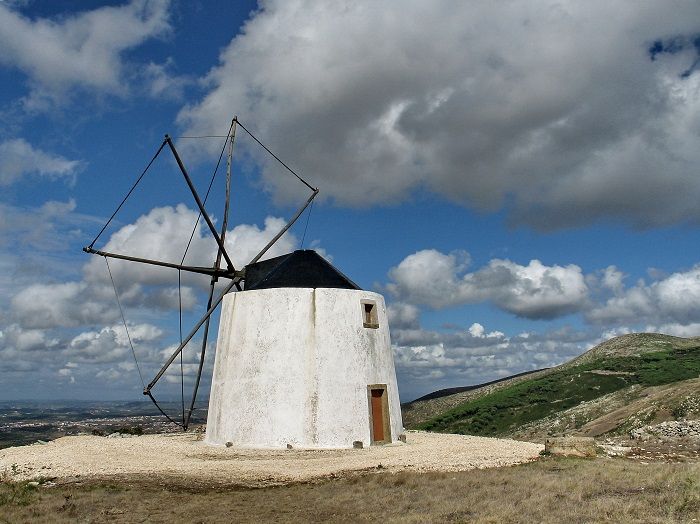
pixel 183 457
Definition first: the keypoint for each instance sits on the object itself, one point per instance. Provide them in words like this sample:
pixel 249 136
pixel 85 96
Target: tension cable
pixel 308 216
pixel 121 311
pixel 143 173
pixel 276 157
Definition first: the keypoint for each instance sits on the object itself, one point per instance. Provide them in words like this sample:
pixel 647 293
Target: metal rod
pixel 192 333
pixel 194 269
pixel 201 358
pixel 227 198
pixel 285 228
pixel 212 285
pixel 234 282
pixel 200 205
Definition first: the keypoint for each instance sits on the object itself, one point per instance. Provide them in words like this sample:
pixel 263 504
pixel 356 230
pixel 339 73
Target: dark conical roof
pixel 302 268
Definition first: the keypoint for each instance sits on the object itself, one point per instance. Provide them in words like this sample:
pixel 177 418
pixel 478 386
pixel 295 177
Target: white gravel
pixel 184 457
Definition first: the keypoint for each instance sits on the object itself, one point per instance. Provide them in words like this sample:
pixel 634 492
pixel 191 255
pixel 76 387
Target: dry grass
pixel 550 490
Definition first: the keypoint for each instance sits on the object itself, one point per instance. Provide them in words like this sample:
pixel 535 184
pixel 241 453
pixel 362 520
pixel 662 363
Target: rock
pixel 570 446
pixel 613 450
pixel 357 444
pixel 639 433
pixel 668 430
pixel 229 444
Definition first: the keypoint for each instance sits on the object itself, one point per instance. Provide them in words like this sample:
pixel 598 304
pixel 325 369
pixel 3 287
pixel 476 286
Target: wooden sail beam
pixel 224 273
pixel 205 215
pixel 224 225
pixel 228 288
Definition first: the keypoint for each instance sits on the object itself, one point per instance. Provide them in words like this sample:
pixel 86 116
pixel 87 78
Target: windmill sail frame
pixel 214 271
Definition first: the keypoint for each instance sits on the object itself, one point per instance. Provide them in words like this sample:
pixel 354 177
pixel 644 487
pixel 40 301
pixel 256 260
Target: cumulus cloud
pixel 573 111
pixel 427 360
pixel 67 304
pixel 163 233
pixel 674 299
pixel 18 158
pixel 438 280
pixel 402 315
pixel 72 326
pixel 111 344
pixel 22 340
pixel 48 228
pixel 676 329
pixel 161 82
pixel 82 50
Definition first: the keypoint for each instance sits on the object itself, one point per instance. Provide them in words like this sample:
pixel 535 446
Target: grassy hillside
pixel 619 371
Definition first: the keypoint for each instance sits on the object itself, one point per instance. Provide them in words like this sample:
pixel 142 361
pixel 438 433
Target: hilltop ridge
pixel 620 384
pixel 634 344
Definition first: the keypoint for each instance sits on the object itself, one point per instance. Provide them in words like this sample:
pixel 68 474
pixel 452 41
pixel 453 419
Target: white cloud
pixel 161 82
pixel 109 375
pixel 476 330
pixel 49 228
pixel 429 360
pixel 432 278
pixel 18 159
pixel 22 340
pixel 562 108
pixel 110 344
pixel 170 298
pixel 403 316
pixel 67 304
pixel 163 233
pixel 246 240
pixel 39 318
pixel 674 299
pixel 612 279
pixel 82 50
pixel 675 329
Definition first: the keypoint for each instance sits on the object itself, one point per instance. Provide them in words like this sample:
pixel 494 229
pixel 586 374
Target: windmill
pixel 290 369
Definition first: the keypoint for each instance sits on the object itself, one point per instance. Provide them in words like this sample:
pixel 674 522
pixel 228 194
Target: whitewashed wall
pixel 292 367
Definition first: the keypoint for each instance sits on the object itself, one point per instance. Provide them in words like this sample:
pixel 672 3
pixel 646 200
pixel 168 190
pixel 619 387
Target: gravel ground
pixel 184 457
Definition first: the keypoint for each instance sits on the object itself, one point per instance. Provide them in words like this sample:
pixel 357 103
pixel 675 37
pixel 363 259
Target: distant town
pixel 29 422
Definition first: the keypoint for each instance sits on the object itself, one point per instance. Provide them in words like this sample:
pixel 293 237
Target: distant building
pixel 303 359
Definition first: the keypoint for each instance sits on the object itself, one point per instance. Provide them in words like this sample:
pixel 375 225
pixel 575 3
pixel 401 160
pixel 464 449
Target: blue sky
pixel 520 181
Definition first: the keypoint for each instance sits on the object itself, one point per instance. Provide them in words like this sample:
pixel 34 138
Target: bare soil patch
pixel 185 458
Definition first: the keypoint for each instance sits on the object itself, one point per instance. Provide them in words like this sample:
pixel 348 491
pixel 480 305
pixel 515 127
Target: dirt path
pixel 184 457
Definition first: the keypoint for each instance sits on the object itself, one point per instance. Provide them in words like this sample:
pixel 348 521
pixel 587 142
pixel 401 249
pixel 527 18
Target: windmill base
pixel 306 368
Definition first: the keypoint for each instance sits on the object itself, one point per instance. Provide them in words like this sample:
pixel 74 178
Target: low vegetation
pixel 549 490
pixel 504 410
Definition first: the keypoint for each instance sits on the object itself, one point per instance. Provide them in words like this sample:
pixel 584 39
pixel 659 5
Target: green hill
pixel 643 377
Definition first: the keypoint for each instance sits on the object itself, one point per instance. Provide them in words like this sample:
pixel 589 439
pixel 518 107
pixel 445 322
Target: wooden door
pixel 378 414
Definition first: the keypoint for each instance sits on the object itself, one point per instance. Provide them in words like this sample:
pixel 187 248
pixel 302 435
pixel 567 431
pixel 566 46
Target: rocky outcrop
pixel 670 429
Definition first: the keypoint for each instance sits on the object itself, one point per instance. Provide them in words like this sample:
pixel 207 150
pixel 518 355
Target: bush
pixel 128 430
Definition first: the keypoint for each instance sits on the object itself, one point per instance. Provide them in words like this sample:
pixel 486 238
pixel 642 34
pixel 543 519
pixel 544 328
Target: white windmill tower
pixel 303 355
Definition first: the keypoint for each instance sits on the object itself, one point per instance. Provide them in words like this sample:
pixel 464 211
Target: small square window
pixel 369 314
